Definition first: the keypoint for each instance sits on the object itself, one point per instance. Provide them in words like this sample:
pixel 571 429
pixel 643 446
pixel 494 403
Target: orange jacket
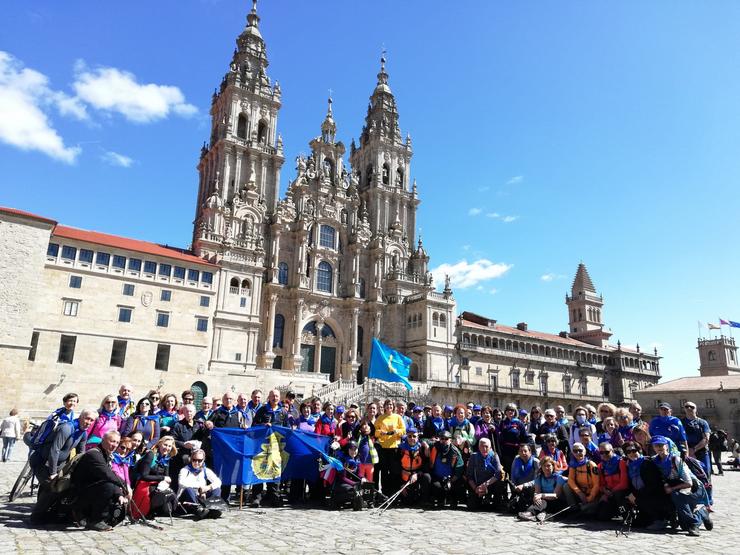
pixel 585 479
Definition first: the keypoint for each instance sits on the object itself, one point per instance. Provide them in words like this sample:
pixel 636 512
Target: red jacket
pixel 617 481
pixel 326 429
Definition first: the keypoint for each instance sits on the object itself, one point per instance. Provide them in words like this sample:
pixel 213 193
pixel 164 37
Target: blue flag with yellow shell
pixel 267 454
pixel 389 365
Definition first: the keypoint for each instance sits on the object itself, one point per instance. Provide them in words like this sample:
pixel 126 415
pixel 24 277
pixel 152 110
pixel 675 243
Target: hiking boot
pixel 526 515
pixel 255 501
pixel 201 513
pixel 213 514
pixel 357 504
pixel 99 527
pixel 694 531
pixel 541 517
pixel 708 524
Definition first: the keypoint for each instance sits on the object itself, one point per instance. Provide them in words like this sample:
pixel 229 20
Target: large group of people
pixel 152 456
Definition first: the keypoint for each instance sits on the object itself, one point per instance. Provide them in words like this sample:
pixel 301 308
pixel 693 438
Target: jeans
pixel 8 443
pixel 685 504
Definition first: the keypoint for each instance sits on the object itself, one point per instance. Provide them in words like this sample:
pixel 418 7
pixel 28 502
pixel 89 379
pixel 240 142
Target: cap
pixel 417 408
pixel 446 434
pixel 447 408
pixel 477 407
pixel 523 412
pixel 352 445
pixel 339 409
pixel 411 430
pixel 664 406
pixel 427 407
pixel 659 440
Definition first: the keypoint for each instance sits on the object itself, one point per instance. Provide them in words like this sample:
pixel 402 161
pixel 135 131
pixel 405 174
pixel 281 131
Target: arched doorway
pixel 200 390
pixel 327 341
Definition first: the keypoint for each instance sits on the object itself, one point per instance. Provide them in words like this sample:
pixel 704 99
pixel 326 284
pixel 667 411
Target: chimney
pixel 563 334
pixel 521 326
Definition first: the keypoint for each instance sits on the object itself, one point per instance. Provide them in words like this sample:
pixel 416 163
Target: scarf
pixel 328 421
pixel 627 431
pixel 633 469
pixel 167 414
pixel 145 419
pixel 454 424
pixel 228 412
pixel 161 460
pixel 576 463
pixel 108 414
pixel 196 471
pixel 438 423
pixel 665 465
pixel 611 467
pixel 77 431
pixel 550 428
pixel 555 454
pixel 410 448
pixel 128 460
pixel 592 421
pixel 509 424
pixel 252 406
pixel 521 468
pixel 65 416
pixel 123 403
pixel 488 462
pixel 563 421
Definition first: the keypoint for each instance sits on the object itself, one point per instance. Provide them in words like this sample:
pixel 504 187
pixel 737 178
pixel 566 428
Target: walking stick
pixel 142 519
pixel 548 517
pixel 388 502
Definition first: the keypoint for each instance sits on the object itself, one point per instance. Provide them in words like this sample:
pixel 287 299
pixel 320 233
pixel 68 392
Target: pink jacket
pixel 101 426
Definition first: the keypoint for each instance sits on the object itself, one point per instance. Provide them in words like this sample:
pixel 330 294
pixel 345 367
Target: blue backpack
pixel 38 437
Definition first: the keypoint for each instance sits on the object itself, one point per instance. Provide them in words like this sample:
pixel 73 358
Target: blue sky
pixel 544 134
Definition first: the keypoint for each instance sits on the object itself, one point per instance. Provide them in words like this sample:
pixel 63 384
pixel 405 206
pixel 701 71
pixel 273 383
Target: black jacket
pixel 94 468
pixel 149 471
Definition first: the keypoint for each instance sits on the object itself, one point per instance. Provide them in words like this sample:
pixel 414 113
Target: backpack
pixel 698 471
pixel 38 437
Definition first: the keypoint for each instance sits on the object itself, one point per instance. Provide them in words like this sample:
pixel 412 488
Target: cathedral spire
pixel 329 127
pixel 253 19
pixel 582 281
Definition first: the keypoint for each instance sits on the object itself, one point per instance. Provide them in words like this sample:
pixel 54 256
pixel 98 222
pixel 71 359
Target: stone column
pixel 317 353
pixel 298 329
pixel 271 324
pixel 353 337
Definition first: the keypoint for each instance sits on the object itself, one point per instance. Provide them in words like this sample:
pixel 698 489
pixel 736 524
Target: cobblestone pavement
pixel 398 531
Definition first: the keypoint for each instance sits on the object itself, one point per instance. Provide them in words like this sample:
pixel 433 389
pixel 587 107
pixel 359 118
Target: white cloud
pixel 515 180
pixel 505 219
pixel 509 219
pixel 474 211
pixel 113 90
pixel 493 291
pixel 116 159
pixel 551 276
pixel 464 274
pixel 25 97
pixel 494 215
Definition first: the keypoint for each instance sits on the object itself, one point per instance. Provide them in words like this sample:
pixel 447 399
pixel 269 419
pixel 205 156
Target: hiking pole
pixel 142 519
pixel 548 517
pixel 388 502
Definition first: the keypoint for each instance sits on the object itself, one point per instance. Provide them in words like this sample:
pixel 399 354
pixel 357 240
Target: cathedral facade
pixel 282 290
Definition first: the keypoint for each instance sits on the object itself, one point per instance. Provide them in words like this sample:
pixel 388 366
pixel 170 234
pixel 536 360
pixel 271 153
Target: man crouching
pixel 99 490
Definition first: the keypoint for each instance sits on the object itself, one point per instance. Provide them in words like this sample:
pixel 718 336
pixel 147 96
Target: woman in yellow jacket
pixel 583 485
pixel 389 430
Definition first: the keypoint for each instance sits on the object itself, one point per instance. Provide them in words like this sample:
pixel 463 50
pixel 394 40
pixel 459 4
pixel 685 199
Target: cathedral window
pixel 442 321
pixel 386 174
pixel 327 237
pixel 435 319
pixel 409 324
pixel 515 378
pixel 362 288
pixel 324 277
pixel 278 331
pixel 368 176
pixel 246 287
pixel 241 127
pixel 360 340
pixel 399 177
pixel 567 384
pixel 234 286
pixel 326 331
pixel 711 355
pixel 283 273
pixel 262 132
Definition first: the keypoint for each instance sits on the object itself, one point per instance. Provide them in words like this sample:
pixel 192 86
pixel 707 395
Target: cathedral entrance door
pixel 307 352
pixel 328 361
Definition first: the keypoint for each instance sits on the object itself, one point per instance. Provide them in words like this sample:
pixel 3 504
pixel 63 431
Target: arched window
pixel 262 132
pixel 278 331
pixel 329 168
pixel 362 288
pixel 324 277
pixel 199 390
pixel 327 237
pixel 711 355
pixel 241 127
pixel 283 273
pixel 399 177
pixel 435 319
pixel 442 320
pixel 326 331
pixel 310 328
pixel 246 286
pixel 234 286
pixel 386 174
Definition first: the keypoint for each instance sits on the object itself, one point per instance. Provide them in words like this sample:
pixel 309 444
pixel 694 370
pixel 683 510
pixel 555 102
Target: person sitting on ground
pixel 48 459
pixel 550 449
pixel 143 421
pixel 610 434
pixel 346 481
pixel 108 419
pixel 412 464
pixel 613 481
pixel 196 483
pixel 523 470
pixel 687 493
pixel 99 490
pixel 583 487
pixel 485 477
pixel 646 489
pixel 153 495
pixel 548 492
pixel 446 465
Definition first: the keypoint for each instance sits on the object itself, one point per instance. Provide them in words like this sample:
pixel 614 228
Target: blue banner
pixel 267 454
pixel 389 365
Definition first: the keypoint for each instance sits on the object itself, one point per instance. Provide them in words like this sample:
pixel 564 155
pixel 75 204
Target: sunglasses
pixel 605 452
pixel 689 407
pixel 196 460
pixel 578 450
pixel 188 399
pixel 111 402
pixel 628 451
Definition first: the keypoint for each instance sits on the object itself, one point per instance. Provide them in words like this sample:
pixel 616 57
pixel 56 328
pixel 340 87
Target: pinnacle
pixel 582 281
